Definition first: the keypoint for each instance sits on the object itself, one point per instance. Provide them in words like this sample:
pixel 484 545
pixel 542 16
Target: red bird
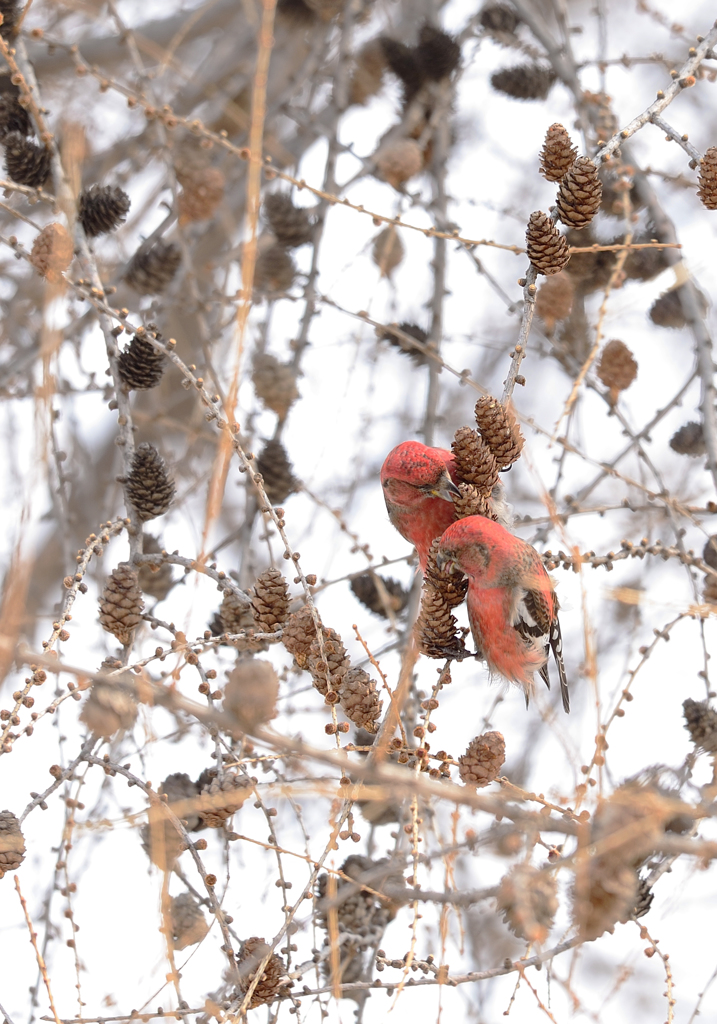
pixel 418 483
pixel 512 607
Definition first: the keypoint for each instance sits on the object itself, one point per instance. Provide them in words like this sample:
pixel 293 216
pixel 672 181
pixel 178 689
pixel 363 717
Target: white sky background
pixel 358 400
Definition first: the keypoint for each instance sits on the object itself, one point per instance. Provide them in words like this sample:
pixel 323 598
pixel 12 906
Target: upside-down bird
pixel 512 607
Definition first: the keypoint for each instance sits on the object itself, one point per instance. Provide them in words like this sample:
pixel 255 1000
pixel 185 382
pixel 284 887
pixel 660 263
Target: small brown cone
pixel 277 472
pixel 470 503
pixel 554 301
pixel 701 723
pixel 499 429
pixel 334 657
pixel 25 161
pixel 251 693
pixel 367 78
pixel 110 707
pixel 579 194
pixel 290 224
pixel 102 208
pixel 524 81
pixel 275 270
pixel 451 586
pixel 617 368
pixel 150 488
pixel 528 899
pixel 202 192
pixel 237 616
pixel 667 310
pixel 274 383
pixel 604 897
pixel 141 365
pixel 270 986
pixel 436 626
pixel 12 843
pixel 13 117
pixel 709 594
pixel 162 841
pixel 589 271
pixel 155 578
pixel 644 264
pixel 387 250
pixel 270 601
pixel 379 597
pixel 152 270
pixel 707 191
pixel 558 153
pixel 181 790
pixel 438 53
pixel 188 923
pixel 483 759
pixel 359 699
pixel 52 252
pixel 499 19
pixel 689 440
pixel 222 796
pixel 391 335
pixel 475 462
pixel 399 161
pixel 709 552
pixel 299 634
pixel 121 604
pixel 547 248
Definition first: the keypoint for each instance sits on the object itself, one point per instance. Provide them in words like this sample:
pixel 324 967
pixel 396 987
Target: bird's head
pixel 472 546
pixel 413 472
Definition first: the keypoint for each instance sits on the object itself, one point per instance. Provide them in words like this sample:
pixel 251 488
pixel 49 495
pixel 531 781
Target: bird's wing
pixel 556 642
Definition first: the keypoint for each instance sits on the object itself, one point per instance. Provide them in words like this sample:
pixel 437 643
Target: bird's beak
pixel 445 488
pixel 445 562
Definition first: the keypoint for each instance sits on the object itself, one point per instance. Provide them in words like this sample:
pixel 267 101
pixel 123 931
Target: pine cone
pixel 403 62
pixel 274 383
pixel 180 789
pixel 438 54
pixel 707 191
pixel 274 466
pixel 202 192
pixel 121 604
pixel 102 208
pixel 25 161
pixel 251 693
pixel 436 626
pixel 524 81
pixel 236 616
pixel 221 797
pixel 528 899
pixel 709 592
pixel 701 723
pixel 451 586
pixel 187 920
pixel 589 271
pixel 709 552
pixel 558 153
pixel 470 503
pixel 367 591
pixel 141 365
pixel 12 843
pixel 335 657
pixel 152 270
pixel 155 579
pixel 412 330
pixel 387 250
pixel 667 310
pixel 644 264
pixel 150 488
pixel 52 252
pixel 499 19
pixel 617 368
pixel 299 634
pixel 643 901
pixel 270 601
pixel 547 248
pixel 359 699
pixel 579 194
pixel 689 440
pixel 500 431
pixel 270 985
pixel 10 10
pixel 275 270
pixel 483 759
pixel 475 462
pixel 161 840
pixel 606 895
pixel 13 117
pixel 367 78
pixel 290 224
pixel 554 300
pixel 398 161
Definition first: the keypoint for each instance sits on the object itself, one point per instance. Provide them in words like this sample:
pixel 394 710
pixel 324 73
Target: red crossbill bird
pixel 418 483
pixel 512 607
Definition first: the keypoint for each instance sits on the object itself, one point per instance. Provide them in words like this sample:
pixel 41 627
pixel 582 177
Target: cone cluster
pixel 150 488
pixel 547 248
pixel 152 270
pixel 121 604
pixel 277 472
pixel 141 365
pixel 52 252
pixel 25 161
pixel 558 153
pixel 524 81
pixel 102 208
pixel 12 843
pixel 475 462
pixel 483 759
pixel 274 383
